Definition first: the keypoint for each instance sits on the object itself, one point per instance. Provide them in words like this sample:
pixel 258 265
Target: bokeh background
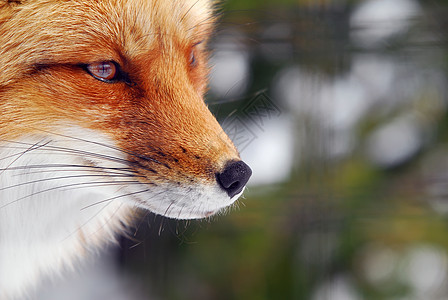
pixel 340 108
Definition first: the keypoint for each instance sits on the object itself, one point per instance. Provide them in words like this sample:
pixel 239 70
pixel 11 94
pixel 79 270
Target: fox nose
pixel 234 177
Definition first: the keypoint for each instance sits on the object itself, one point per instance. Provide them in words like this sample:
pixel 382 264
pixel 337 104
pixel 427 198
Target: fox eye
pixel 193 55
pixel 105 71
pixel 193 60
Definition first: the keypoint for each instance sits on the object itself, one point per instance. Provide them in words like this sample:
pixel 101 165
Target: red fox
pixel 102 112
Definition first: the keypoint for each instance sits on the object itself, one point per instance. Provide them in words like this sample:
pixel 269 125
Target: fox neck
pixel 50 213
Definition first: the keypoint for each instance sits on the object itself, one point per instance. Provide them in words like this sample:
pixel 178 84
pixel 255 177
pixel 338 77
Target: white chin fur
pixel 191 202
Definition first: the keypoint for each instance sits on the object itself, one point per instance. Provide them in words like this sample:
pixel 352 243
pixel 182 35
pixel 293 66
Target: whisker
pixel 168 208
pixel 88 154
pixel 106 146
pixel 188 11
pixel 161 226
pixel 57 166
pixel 96 214
pixel 137 227
pixel 73 185
pixel 240 99
pixel 135 245
pixel 108 221
pixel 71 151
pixel 106 172
pixel 114 198
pixel 180 210
pixel 91 154
pixel 31 148
pixel 58 178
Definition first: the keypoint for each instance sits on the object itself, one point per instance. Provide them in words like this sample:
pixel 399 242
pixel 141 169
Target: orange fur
pixel 78 151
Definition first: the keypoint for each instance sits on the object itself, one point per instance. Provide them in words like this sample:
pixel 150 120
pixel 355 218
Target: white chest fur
pixel 54 204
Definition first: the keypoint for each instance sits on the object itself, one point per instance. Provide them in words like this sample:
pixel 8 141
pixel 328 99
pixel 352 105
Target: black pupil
pixel 104 70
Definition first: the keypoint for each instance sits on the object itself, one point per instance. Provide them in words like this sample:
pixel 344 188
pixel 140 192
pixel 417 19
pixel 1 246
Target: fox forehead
pixel 143 18
pixel 73 31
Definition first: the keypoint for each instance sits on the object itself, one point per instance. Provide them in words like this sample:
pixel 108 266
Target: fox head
pixel 113 92
pixel 102 110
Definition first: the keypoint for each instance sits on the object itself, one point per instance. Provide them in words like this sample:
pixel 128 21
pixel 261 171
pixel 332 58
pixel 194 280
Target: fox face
pixel 126 78
pixel 102 110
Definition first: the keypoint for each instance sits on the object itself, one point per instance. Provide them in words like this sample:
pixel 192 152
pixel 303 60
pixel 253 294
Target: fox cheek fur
pixel 102 111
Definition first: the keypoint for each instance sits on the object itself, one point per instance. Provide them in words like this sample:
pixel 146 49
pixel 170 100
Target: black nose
pixel 234 177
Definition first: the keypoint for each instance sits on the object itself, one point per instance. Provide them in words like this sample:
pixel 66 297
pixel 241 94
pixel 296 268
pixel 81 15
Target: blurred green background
pixel 340 108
